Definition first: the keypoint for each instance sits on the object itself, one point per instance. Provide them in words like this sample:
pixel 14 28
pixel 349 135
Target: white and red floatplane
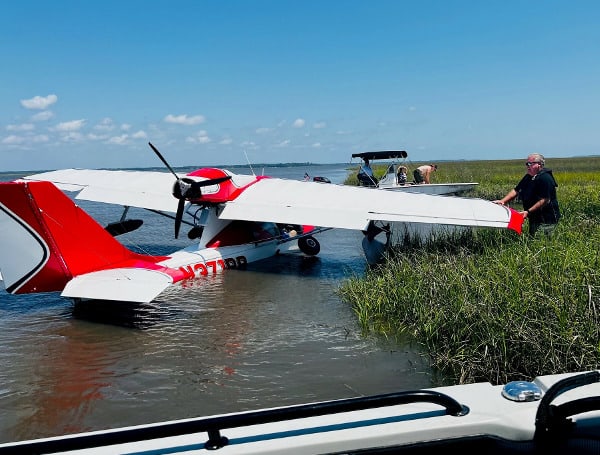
pixel 49 243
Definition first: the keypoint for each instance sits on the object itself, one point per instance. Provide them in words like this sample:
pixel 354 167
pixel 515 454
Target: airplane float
pixel 50 244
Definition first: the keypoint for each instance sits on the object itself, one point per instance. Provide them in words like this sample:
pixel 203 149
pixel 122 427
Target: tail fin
pixel 46 239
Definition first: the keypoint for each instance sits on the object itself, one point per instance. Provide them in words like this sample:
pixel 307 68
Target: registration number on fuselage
pixel 213 267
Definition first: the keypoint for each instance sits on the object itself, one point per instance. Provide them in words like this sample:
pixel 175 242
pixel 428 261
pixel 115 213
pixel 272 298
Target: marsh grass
pixel 489 305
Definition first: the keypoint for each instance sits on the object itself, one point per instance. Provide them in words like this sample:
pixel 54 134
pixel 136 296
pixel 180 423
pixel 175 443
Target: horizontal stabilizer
pixel 125 284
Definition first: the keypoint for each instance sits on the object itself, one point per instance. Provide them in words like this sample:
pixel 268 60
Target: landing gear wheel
pixel 309 245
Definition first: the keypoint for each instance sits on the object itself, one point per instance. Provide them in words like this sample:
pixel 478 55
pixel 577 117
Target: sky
pixel 87 84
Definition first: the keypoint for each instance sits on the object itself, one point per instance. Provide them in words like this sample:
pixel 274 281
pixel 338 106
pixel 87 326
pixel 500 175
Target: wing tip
pixel 515 222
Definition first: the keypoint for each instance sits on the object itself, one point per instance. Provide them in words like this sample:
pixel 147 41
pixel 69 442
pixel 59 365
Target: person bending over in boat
pixel 422 174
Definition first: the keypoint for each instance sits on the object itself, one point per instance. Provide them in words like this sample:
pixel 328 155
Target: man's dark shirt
pixel 541 186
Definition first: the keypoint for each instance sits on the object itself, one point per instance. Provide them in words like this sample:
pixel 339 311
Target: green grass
pixel 490 305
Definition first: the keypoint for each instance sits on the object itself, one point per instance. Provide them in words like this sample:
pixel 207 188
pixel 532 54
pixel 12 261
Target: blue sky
pixel 90 83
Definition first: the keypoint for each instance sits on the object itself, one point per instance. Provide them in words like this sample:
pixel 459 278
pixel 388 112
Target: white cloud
pixel 73 125
pixel 40 138
pixel 184 119
pixel 316 145
pixel 106 124
pixel 39 102
pixel 24 140
pixel 298 123
pixel 21 127
pixel 249 145
pixel 200 138
pixel 42 116
pixel 72 136
pixel 119 140
pixel 226 141
pixel 13 140
pixel 319 125
pixel 125 127
pixel 96 137
pixel 263 130
pixel 139 135
pixel 283 143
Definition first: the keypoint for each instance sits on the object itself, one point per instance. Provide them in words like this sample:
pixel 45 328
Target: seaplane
pixel 50 244
pixel 391 180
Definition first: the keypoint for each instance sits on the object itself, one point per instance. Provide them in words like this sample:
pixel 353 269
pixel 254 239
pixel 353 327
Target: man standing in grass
pixel 537 191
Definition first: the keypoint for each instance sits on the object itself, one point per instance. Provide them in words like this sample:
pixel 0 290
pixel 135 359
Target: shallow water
pixel 274 334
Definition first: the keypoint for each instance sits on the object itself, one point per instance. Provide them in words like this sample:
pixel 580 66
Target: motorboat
pixel 390 180
pixel 550 414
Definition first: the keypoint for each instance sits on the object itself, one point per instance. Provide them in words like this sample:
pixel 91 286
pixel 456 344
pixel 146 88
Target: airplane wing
pixel 144 189
pixel 349 207
pixel 289 201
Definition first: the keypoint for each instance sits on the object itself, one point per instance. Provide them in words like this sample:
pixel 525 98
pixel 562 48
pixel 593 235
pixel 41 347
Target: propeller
pixel 185 189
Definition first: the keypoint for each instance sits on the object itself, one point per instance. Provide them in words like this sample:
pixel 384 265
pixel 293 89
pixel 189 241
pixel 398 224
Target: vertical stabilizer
pixel 47 239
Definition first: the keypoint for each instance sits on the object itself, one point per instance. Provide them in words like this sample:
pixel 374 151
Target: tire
pixel 309 245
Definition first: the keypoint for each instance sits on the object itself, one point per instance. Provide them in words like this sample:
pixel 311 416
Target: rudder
pixel 47 239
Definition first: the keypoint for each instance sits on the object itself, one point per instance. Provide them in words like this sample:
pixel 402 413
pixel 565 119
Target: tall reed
pixel 488 304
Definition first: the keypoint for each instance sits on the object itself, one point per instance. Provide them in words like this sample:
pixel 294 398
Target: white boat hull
pixel 521 417
pixel 390 182
pixel 431 188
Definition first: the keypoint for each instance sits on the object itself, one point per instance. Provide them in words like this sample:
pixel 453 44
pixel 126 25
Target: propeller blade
pixel 179 216
pixel 163 160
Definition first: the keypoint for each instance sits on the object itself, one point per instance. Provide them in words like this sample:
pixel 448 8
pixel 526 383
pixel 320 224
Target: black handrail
pixel 550 418
pixel 214 425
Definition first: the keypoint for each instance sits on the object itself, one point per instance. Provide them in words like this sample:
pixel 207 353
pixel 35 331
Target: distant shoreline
pixel 20 173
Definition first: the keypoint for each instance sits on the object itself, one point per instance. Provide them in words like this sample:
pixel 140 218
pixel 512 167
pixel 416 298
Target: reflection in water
pixel 64 374
pixel 125 314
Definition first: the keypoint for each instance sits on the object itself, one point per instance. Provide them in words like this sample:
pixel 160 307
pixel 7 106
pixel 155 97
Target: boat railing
pixel 214 425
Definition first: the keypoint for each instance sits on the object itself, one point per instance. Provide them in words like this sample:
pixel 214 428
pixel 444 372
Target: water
pixel 275 334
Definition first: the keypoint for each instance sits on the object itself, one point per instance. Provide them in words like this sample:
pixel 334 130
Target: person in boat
pixel 365 174
pixel 422 174
pixel 402 175
pixel 537 191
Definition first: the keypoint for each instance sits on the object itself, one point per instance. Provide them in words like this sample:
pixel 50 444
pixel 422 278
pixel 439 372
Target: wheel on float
pixel 309 245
